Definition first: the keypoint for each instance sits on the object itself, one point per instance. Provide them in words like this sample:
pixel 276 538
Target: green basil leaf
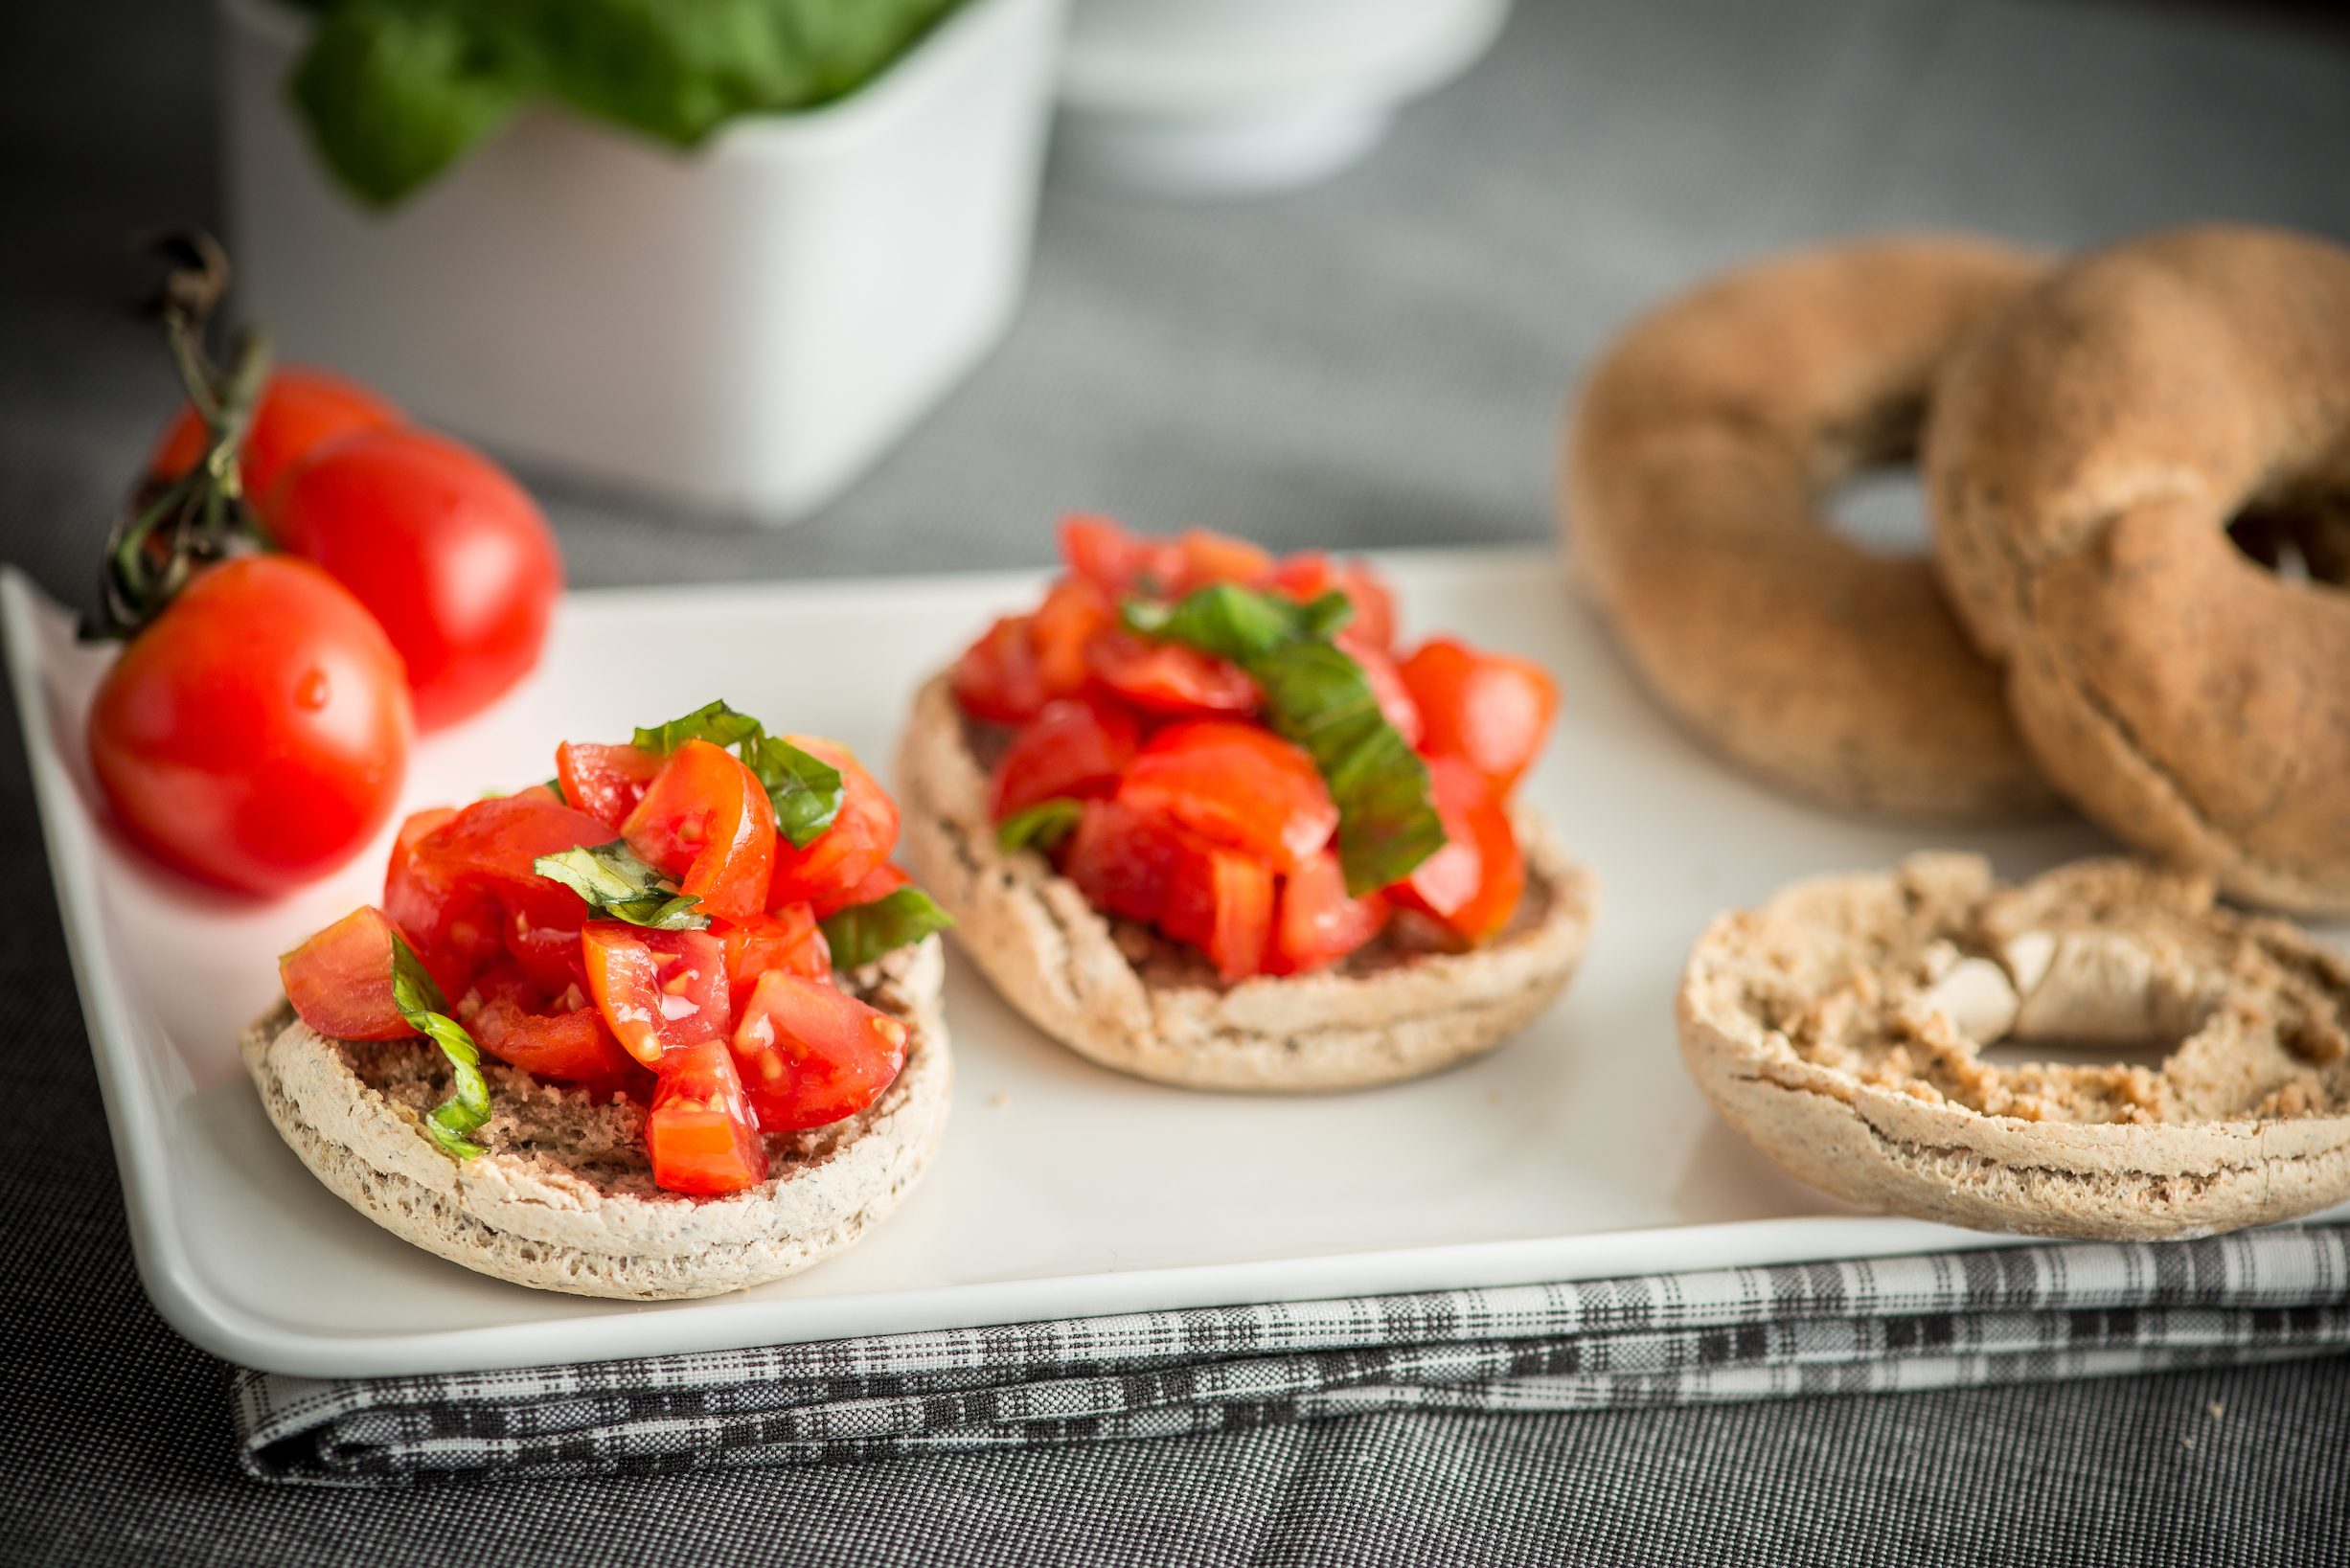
pixel 861 933
pixel 615 882
pixel 1318 696
pixel 421 1003
pixel 714 723
pixel 1042 825
pixel 676 69
pixel 805 790
pixel 1239 624
pixel 395 90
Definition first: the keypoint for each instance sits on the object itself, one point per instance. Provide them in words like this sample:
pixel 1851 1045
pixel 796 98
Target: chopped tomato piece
pixel 605 782
pixel 844 854
pixel 1075 747
pixel 879 883
pixel 1473 883
pixel 705 820
pixel 575 1046
pixel 1222 902
pixel 788 939
pixel 1241 786
pixel 998 678
pixel 1394 699
pixel 1122 858
pixel 1317 922
pixel 1073 614
pixel 1171 678
pixel 1308 574
pixel 340 980
pixel 703 1134
pixel 810 1055
pixel 658 991
pixel 1489 709
pixel 507 982
pixel 1116 561
pixel 1210 558
pixel 467 895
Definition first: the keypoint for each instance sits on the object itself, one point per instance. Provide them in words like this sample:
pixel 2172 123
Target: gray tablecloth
pixel 1379 361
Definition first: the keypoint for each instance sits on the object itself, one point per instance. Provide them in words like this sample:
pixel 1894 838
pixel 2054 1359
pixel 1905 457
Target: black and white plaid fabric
pixel 1940 1320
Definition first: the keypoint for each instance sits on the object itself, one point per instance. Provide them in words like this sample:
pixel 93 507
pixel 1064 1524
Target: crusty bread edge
pixel 530 1222
pixel 1884 1150
pixel 1054 958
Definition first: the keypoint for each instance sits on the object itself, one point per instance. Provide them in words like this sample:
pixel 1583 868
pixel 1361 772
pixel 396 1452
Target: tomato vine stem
pixel 171 528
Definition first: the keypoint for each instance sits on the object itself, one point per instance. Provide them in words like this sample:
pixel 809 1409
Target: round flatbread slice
pixel 564 1199
pixel 1115 992
pixel 1840 1027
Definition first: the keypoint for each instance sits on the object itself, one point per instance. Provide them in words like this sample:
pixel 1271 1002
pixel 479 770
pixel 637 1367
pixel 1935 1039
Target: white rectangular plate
pixel 1577 1151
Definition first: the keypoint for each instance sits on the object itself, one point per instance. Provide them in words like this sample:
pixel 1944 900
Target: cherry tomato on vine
pixel 254 735
pixel 449 553
pixel 300 412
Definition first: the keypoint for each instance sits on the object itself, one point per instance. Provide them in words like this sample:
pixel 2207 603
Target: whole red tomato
pixel 453 556
pixel 301 410
pixel 254 735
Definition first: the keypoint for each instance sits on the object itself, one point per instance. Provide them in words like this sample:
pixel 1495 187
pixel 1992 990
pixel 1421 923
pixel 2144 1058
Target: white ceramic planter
pixel 747 326
pixel 1236 97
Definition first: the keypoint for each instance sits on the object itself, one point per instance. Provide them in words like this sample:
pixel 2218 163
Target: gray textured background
pixel 1379 361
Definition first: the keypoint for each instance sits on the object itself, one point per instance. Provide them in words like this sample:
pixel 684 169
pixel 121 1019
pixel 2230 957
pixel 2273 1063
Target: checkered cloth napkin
pixel 2000 1315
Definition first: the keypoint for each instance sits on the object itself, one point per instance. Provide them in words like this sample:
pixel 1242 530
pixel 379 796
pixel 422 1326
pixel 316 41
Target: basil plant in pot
pixel 722 250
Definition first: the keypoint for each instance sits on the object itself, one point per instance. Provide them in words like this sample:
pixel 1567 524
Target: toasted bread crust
pixel 1826 1026
pixel 1697 460
pixel 1131 1000
pixel 564 1199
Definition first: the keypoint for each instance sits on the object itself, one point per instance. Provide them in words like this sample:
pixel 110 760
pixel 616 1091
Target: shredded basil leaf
pixel 714 723
pixel 395 90
pixel 614 881
pixel 861 933
pixel 1318 697
pixel 805 790
pixel 421 1003
pixel 1042 825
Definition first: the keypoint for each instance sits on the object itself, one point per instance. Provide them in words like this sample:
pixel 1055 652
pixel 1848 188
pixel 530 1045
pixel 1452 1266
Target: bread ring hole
pixel 2305 540
pixel 1883 511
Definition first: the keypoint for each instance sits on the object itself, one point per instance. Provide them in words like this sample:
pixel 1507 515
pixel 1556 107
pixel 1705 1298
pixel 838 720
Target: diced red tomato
pixel 844 854
pixel 575 1046
pixel 658 991
pixel 1317 922
pixel 705 820
pixel 1395 698
pixel 703 1134
pixel 605 782
pixel 506 982
pixel 1222 902
pixel 788 938
pixel 1075 747
pixel 1241 786
pixel 467 895
pixel 340 980
pixel 1489 709
pixel 1308 574
pixel 1116 561
pixel 1210 558
pixel 881 882
pixel 1473 883
pixel 1171 678
pixel 810 1055
pixel 998 678
pixel 1122 858
pixel 1073 614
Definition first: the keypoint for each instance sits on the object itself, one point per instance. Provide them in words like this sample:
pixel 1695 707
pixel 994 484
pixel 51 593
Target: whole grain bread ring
pixel 564 1198
pixel 1697 459
pixel 1115 992
pixel 1840 1027
pixel 2085 461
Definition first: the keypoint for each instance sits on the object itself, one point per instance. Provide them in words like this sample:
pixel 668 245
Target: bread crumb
pixel 2216 1409
pixel 2186 1442
pixel 999 1100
